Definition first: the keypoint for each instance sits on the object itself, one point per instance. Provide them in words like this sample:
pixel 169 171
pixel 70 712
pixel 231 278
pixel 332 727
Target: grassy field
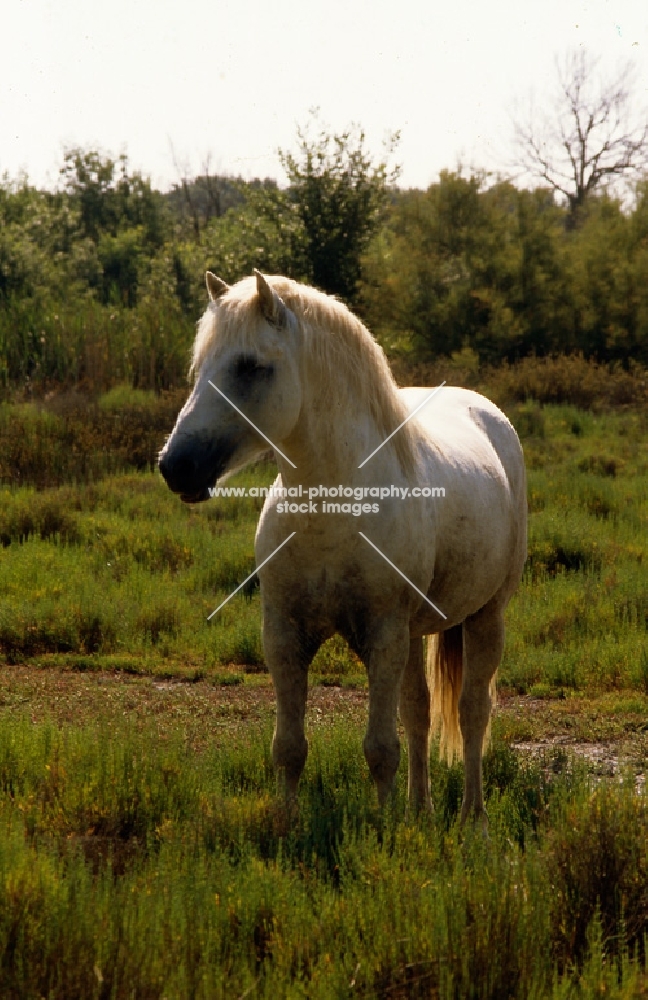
pixel 116 573
pixel 142 850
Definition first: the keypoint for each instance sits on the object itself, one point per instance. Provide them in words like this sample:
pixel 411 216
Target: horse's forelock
pixel 231 319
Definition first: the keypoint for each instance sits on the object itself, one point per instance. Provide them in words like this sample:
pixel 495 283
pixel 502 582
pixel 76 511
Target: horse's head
pixel 247 365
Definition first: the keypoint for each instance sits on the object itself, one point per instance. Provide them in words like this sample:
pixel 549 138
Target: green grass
pixel 580 618
pixel 119 567
pixel 143 851
pixel 71 437
pixel 122 567
pixel 133 866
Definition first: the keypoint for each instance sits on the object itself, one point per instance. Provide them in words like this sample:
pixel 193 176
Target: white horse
pixel 312 380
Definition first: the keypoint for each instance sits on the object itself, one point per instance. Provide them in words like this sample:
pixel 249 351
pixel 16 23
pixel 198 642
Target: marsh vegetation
pixel 143 852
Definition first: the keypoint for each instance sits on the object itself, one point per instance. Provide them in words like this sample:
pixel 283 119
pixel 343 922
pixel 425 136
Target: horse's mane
pixel 334 341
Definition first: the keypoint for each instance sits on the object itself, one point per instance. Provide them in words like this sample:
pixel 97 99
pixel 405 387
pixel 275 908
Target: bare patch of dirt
pixel 609 732
pixel 604 760
pixel 206 712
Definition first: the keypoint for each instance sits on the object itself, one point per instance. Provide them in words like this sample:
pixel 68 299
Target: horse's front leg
pixel 385 659
pixel 288 657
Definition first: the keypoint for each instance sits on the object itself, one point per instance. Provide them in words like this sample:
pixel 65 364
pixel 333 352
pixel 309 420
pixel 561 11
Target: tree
pixel 589 137
pixel 201 196
pixel 419 274
pixel 111 198
pixel 266 232
pixel 461 265
pixel 340 195
pixel 122 220
pixel 37 234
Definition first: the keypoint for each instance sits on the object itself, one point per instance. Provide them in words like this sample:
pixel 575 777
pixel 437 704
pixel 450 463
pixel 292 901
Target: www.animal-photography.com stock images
pixel 323 500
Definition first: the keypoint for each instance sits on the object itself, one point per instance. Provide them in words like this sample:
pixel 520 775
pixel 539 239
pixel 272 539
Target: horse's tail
pixel 445 674
pixel 444 670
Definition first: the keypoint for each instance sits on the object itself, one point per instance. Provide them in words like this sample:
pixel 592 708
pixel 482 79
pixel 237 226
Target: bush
pixel 567 378
pixel 45 516
pixel 597 858
pixel 73 437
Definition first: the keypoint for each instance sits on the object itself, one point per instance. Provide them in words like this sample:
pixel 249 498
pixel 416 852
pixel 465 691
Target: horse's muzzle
pixel 192 470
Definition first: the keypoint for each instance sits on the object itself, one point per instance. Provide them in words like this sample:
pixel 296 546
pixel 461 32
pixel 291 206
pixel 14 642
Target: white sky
pixel 232 78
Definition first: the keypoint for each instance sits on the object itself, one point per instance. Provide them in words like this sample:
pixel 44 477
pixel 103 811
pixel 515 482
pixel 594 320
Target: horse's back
pixel 462 423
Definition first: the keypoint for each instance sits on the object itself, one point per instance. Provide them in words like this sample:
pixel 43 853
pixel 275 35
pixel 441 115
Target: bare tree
pixel 201 194
pixel 591 135
pixel 214 204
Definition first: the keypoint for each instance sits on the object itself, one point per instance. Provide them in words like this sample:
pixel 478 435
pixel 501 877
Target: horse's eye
pixel 246 368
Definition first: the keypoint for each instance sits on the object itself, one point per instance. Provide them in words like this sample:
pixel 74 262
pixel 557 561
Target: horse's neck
pixel 334 435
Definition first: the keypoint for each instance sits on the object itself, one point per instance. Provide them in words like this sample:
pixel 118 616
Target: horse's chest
pixel 331 601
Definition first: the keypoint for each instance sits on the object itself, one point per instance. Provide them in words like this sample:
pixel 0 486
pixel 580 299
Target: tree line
pixel 501 270
pixel 101 280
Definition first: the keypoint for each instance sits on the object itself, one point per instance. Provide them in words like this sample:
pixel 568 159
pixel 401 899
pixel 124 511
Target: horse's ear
pixel 272 306
pixel 215 286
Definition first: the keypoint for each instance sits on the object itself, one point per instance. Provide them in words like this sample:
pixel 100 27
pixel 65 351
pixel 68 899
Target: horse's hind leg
pixel 483 636
pixel 415 716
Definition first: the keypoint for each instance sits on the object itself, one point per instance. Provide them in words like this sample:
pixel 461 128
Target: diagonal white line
pixel 253 573
pixel 251 424
pixel 412 414
pixel 406 578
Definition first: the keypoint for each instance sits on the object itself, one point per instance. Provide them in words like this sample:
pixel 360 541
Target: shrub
pixel 28 514
pixel 567 378
pixel 72 437
pixel 597 856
